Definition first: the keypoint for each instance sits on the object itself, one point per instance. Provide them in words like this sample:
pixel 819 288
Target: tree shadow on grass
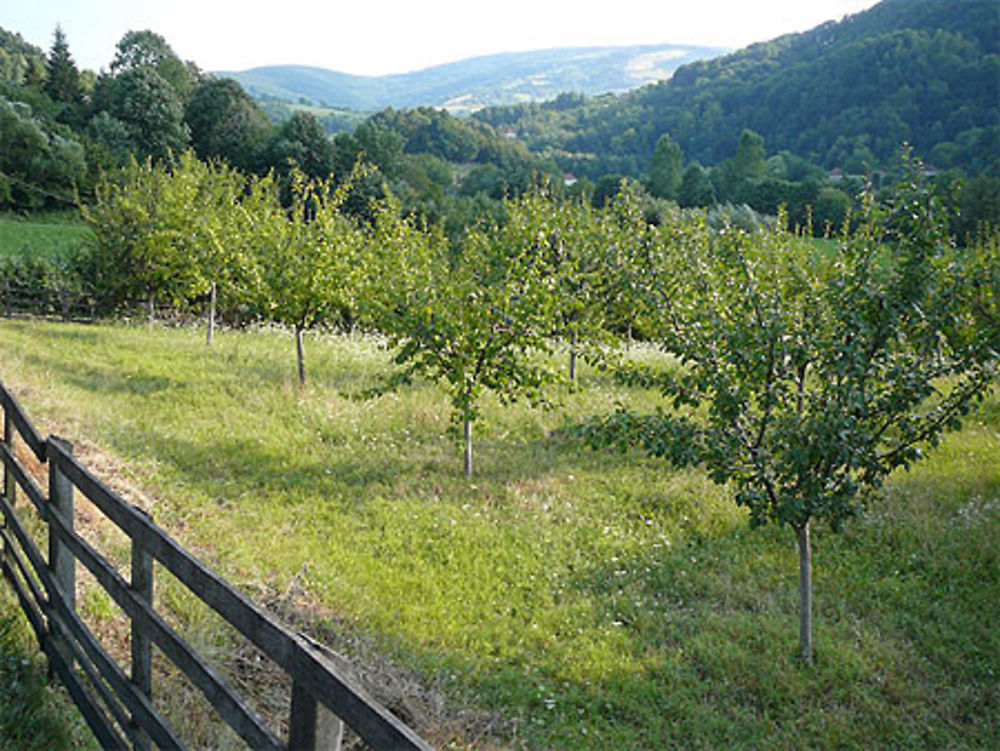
pixel 105 380
pixel 68 334
pixel 240 468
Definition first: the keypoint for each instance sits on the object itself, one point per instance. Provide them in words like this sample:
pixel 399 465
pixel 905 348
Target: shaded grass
pixel 32 715
pixel 595 600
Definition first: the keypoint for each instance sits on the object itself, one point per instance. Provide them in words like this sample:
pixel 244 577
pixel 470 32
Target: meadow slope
pixel 564 598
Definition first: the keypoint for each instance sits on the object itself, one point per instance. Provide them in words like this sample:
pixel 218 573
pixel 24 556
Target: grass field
pixel 562 599
pixel 51 236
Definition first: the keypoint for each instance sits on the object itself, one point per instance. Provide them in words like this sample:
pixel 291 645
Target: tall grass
pixel 587 600
pixel 32 714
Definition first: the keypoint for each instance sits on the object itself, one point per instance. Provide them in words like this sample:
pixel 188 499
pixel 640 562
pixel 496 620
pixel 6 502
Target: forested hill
pixel 844 94
pixel 469 84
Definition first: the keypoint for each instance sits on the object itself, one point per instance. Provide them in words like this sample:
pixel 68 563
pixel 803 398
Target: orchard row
pixel 804 374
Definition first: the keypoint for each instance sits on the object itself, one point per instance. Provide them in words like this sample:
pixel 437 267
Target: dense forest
pixel 842 95
pixel 799 122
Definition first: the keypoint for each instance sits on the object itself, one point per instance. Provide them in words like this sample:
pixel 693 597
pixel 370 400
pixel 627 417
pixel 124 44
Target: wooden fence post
pixel 142 649
pixel 312 727
pixel 9 486
pixel 64 301
pixel 9 437
pixel 61 561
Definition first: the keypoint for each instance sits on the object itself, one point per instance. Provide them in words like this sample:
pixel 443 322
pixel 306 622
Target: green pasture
pixel 50 236
pixel 564 598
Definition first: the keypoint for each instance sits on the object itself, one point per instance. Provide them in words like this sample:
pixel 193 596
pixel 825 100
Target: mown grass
pixel 592 600
pixel 51 237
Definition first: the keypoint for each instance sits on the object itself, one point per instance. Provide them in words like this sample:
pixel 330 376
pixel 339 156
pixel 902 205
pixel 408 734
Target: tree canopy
pixel 805 378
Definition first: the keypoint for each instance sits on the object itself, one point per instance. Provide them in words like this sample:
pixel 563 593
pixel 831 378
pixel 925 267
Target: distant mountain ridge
pixel 488 80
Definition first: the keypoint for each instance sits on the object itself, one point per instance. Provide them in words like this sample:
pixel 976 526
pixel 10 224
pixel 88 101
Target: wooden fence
pixel 117 704
pixel 58 302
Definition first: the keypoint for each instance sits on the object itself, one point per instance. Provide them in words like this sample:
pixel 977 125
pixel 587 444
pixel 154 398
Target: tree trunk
pixel 805 593
pixel 301 355
pixel 468 448
pixel 152 308
pixel 211 316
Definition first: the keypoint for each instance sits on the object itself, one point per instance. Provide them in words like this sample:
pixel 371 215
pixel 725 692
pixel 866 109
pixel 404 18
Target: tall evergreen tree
pixel 63 82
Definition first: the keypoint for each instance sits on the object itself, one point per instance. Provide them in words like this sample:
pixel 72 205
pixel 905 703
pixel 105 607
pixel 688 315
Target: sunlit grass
pixel 595 600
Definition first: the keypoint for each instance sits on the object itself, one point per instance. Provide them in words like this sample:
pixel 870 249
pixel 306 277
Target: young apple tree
pixel 473 324
pixel 141 223
pixel 308 259
pixel 807 376
pixel 569 238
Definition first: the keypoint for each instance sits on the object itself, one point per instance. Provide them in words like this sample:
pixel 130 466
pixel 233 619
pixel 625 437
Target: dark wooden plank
pixel 25 546
pixel 28 605
pixel 61 564
pixel 141 646
pixel 369 719
pixel 9 437
pixel 103 729
pixel 61 561
pixel 77 655
pixel 227 702
pixel 14 555
pixel 24 426
pixel 302 720
pixel 88 651
pixel 142 585
pixel 303 662
pixel 25 481
pixel 310 726
pixel 134 700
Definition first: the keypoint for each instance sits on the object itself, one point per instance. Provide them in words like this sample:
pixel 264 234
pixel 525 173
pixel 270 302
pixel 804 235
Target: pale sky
pixel 374 37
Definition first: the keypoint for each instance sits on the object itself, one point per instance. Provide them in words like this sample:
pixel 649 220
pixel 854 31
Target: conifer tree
pixel 63 82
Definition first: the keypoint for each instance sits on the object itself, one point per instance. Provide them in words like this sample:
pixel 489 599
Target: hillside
pixel 467 85
pixel 844 94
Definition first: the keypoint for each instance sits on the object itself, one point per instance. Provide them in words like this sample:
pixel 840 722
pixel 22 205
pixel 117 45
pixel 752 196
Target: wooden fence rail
pixel 117 703
pixel 57 302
